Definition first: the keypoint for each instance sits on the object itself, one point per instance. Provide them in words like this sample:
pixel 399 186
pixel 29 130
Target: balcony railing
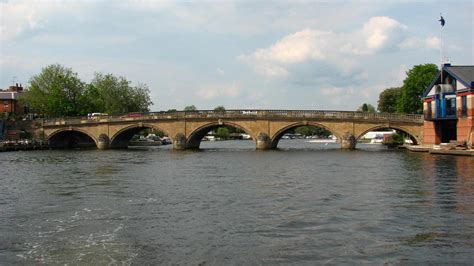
pixel 241 114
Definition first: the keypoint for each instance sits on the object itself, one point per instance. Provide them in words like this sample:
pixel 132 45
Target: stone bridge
pixel 187 129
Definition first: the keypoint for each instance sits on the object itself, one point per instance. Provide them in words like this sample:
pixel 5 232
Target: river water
pixel 305 204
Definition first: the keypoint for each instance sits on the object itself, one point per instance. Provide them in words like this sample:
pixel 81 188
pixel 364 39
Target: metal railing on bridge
pixel 240 114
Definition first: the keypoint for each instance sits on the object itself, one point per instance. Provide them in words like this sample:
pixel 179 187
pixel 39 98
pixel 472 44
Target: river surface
pixel 305 204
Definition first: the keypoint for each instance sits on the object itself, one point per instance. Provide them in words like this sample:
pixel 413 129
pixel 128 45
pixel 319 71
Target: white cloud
pixel 338 96
pixel 72 39
pixel 20 62
pixel 147 5
pixel 341 50
pixel 270 70
pixel 399 75
pixel 382 31
pixel 332 91
pixel 295 48
pixel 228 91
pixel 20 16
pixel 433 42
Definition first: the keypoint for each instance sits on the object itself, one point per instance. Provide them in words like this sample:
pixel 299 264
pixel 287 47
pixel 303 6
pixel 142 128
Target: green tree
pixel 304 130
pixel 222 133
pixel 171 110
pixel 56 91
pixel 366 107
pixel 190 108
pixel 388 100
pixel 418 78
pixel 114 95
pixel 312 131
pixel 234 129
pixel 219 109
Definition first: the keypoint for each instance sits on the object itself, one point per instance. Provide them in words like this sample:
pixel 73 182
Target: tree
pixel 366 107
pixel 418 78
pixel 222 133
pixel 171 110
pixel 304 130
pixel 114 95
pixel 190 108
pixel 56 91
pixel 219 109
pixel 388 100
pixel 312 131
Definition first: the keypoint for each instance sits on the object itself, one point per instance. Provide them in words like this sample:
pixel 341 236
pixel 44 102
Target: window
pixel 451 107
pixel 464 105
pixel 428 111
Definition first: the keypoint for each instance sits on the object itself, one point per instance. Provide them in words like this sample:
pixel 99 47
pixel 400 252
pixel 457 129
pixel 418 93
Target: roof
pixel 9 95
pixel 463 74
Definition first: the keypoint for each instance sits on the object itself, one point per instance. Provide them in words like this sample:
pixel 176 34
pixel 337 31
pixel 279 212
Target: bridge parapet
pixel 242 114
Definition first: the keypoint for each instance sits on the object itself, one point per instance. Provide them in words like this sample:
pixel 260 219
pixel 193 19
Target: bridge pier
pixel 348 141
pixel 179 142
pixel 263 142
pixel 103 142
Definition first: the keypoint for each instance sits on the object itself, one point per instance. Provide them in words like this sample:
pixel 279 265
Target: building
pixel 448 106
pixel 9 100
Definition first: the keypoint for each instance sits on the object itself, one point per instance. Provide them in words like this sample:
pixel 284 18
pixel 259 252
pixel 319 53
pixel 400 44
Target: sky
pixel 320 55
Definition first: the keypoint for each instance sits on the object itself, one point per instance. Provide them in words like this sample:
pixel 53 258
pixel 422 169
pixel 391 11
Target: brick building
pixel 448 106
pixel 9 100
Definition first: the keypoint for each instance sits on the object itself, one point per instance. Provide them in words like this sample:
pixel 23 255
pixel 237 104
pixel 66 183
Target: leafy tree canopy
pixel 312 131
pixel 114 95
pixel 56 91
pixel 222 133
pixel 366 107
pixel 190 108
pixel 219 109
pixel 388 100
pixel 418 78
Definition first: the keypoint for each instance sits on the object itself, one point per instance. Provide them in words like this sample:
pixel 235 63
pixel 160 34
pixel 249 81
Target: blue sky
pixel 241 54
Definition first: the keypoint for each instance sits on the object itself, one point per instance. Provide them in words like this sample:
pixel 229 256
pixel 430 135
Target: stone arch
pixel 412 135
pixel 71 138
pixel 194 139
pixel 277 136
pixel 122 137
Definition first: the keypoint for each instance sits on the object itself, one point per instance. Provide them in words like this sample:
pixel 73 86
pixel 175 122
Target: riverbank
pixel 23 145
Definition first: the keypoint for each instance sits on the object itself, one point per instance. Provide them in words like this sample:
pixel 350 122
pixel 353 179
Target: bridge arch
pixel 69 138
pixel 194 139
pixel 279 134
pixel 122 137
pixel 409 133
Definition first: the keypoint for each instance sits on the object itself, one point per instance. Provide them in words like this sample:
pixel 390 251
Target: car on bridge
pixel 132 115
pixel 96 115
